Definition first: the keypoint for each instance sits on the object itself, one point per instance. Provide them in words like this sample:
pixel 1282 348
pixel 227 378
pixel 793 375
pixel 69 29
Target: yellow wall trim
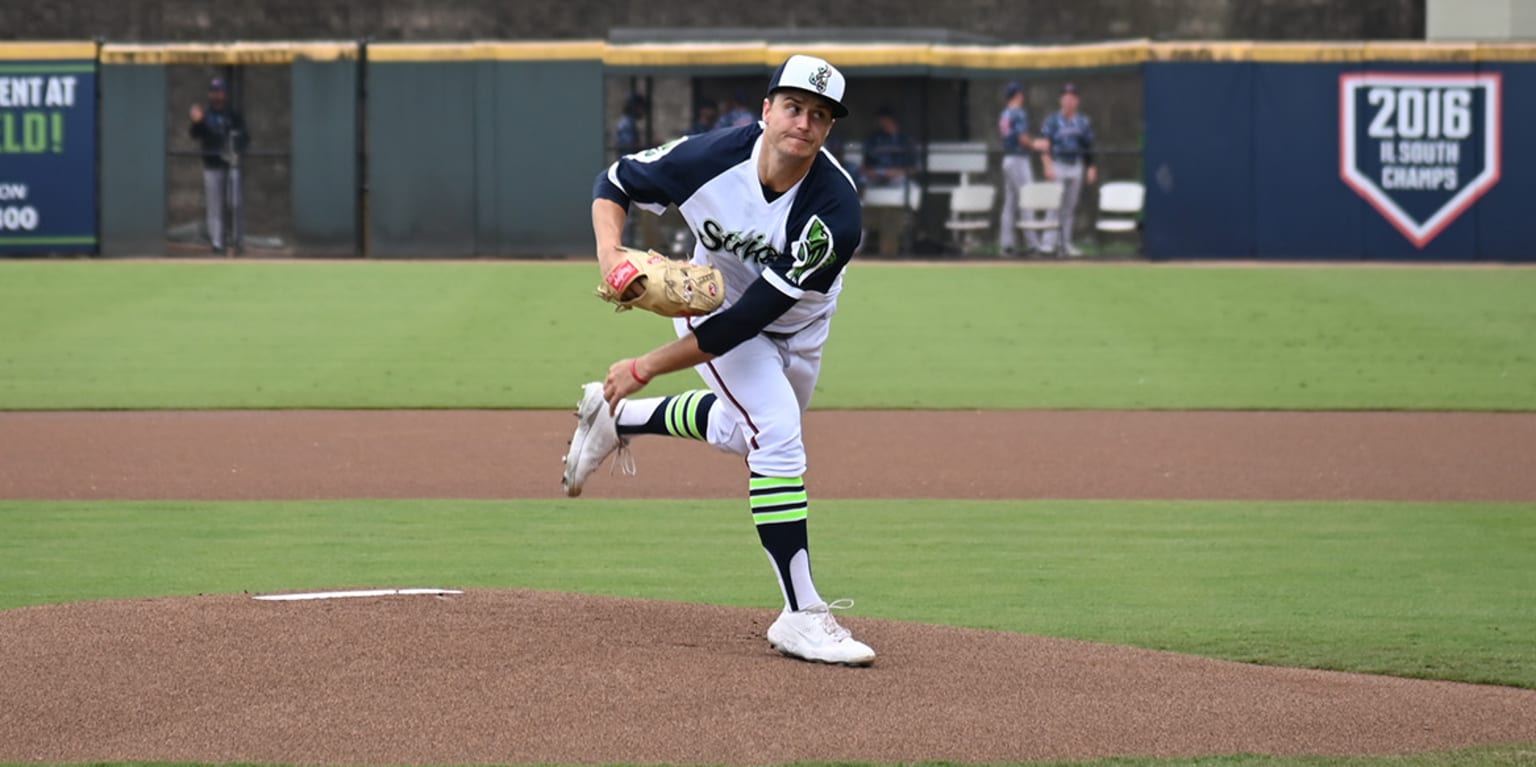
pixel 277 52
pixel 47 51
pixel 766 55
pixel 488 51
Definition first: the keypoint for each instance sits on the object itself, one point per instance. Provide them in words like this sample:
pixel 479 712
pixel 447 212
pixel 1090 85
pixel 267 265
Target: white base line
pixel 347 594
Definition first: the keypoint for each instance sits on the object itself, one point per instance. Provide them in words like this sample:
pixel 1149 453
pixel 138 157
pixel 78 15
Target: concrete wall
pixel 1022 21
pixel 1480 20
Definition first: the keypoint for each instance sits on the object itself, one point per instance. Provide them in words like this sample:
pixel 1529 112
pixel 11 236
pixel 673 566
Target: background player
pixel 220 130
pixel 780 219
pixel 1018 146
pixel 1069 161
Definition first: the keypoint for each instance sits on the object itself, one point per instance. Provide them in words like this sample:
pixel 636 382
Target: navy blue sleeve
pixel 822 235
pixel 671 173
pixel 604 189
pixel 646 178
pixel 757 308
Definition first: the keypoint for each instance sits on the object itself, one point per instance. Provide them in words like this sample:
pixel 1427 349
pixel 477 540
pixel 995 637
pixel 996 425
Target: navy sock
pixel 684 415
pixel 779 509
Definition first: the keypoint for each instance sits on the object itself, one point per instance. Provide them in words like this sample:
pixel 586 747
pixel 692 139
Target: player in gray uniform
pixel 221 131
pixel 1018 145
pixel 780 218
pixel 1069 161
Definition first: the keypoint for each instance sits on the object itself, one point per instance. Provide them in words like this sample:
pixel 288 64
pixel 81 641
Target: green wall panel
pixel 483 158
pixel 546 127
pixel 421 159
pixel 133 98
pixel 325 155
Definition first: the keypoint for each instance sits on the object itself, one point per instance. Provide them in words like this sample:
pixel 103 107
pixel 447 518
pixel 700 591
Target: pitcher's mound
pixel 530 677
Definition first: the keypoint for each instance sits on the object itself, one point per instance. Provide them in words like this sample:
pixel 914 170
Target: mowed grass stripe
pixel 1420 590
pixel 118 334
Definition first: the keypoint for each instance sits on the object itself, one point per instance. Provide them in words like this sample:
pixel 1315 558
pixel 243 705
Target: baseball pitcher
pixel 776 220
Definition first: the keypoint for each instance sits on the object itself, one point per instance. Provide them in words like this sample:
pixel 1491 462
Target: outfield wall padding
pixel 325 156
pixel 1247 159
pixel 133 175
pixel 488 148
pixel 482 158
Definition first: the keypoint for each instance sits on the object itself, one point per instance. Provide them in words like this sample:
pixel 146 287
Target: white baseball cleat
pixel 813 634
pixel 596 438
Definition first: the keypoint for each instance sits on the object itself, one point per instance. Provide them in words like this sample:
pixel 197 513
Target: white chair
pixel 1043 198
pixel 853 154
pixel 954 158
pixel 1119 204
pixel 970 210
pixel 907 193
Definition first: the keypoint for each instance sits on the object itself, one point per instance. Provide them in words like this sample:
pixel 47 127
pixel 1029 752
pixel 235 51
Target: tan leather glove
pixel 671 288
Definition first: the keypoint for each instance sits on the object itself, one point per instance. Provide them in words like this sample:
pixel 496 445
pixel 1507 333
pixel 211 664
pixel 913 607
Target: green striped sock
pixel 775 500
pixel 779 507
pixel 687 414
pixel 683 415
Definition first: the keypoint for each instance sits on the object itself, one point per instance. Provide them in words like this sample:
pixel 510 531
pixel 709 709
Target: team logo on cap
pixel 819 78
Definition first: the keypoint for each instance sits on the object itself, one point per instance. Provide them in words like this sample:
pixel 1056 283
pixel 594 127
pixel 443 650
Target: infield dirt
pixel 525 677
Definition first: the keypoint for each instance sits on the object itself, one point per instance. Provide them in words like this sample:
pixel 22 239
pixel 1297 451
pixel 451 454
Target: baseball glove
pixel 648 280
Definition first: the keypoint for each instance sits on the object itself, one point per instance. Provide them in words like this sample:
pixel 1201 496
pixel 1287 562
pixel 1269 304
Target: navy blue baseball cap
pixel 1069 88
pixel 1012 90
pixel 812 75
pixel 216 84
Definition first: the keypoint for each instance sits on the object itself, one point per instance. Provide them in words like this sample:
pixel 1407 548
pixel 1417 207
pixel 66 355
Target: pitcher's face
pixel 796 124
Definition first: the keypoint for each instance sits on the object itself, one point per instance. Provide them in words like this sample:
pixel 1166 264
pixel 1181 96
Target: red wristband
pixel 635 371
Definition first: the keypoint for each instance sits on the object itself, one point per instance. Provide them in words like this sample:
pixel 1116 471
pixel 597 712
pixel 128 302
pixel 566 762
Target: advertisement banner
pixel 47 155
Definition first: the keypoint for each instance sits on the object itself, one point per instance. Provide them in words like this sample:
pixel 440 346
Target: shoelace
pixel 828 623
pixel 623 460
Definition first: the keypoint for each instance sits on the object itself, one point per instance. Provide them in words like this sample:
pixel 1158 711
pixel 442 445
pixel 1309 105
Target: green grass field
pixel 1423 590
pixel 520 335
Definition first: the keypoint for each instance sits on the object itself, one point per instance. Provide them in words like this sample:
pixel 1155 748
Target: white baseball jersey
pixel 798 241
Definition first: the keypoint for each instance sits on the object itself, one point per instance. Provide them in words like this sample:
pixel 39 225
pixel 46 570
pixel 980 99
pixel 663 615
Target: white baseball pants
pixel 764 387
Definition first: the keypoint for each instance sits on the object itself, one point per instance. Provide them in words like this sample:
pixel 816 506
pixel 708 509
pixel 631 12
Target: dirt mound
pixel 530 677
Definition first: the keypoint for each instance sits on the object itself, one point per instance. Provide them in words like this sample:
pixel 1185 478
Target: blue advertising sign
pixel 47 156
pixel 1420 147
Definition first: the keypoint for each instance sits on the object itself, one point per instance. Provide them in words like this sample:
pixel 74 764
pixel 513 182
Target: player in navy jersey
pixel 1018 146
pixel 1069 161
pixel 780 218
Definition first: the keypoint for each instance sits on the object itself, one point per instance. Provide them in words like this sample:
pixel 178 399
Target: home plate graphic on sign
pixel 1421 148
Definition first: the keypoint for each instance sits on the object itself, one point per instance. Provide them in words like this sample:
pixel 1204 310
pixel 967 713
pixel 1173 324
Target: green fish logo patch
pixel 813 251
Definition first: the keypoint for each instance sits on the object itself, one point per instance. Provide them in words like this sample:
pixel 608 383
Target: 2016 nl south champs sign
pixel 1421 148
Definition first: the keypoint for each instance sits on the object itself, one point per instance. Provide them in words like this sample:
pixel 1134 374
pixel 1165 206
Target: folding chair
pixel 970 210
pixel 1119 204
pixel 1044 198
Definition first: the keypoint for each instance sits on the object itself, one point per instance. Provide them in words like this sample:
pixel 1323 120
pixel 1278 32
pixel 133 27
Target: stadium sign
pixel 1421 148
pixel 47 155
